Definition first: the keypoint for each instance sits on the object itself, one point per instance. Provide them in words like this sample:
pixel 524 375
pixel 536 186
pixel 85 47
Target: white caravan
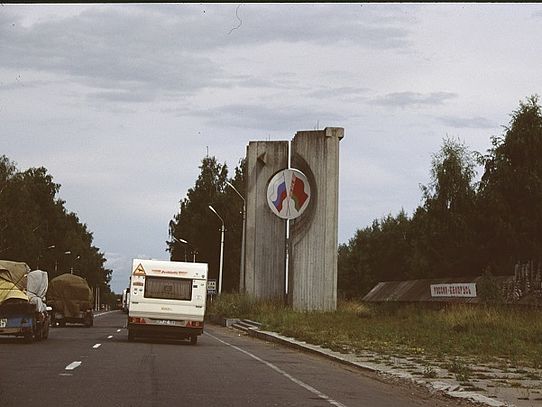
pixel 167 299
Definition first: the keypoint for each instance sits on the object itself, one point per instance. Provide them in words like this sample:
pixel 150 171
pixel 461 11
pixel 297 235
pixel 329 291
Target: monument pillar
pixel 313 245
pixel 265 242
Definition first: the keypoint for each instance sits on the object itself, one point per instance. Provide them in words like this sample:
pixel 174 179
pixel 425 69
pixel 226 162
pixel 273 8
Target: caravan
pixel 167 299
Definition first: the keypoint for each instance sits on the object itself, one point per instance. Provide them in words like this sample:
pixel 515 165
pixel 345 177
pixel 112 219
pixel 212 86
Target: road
pixel 97 366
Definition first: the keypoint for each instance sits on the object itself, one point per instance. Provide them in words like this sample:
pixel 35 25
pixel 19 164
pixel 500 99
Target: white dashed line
pixel 97 346
pixel 110 336
pixel 73 365
pixel 118 330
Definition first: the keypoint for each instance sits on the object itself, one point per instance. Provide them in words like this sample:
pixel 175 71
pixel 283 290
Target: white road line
pixel 97 346
pixel 73 365
pixel 110 336
pixel 118 330
pixel 282 372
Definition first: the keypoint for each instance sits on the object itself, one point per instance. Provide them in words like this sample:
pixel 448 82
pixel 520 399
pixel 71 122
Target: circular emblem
pixel 288 193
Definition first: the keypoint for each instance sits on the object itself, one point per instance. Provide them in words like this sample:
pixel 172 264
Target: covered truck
pixel 22 301
pixel 71 300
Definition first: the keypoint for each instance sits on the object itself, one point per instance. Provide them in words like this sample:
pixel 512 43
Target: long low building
pixel 454 289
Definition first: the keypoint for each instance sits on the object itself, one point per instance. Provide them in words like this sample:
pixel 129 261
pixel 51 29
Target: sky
pixel 122 102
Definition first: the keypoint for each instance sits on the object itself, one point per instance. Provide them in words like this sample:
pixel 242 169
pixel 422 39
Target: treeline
pixel 463 227
pixel 36 228
pixel 197 225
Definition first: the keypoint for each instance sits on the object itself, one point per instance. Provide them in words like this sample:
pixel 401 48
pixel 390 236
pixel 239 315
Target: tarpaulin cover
pixel 13 280
pixel 70 295
pixel 36 288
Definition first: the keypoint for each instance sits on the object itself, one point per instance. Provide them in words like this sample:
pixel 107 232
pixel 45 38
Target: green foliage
pixel 36 228
pixel 196 224
pixel 511 191
pixel 488 289
pixel 462 227
pixel 486 333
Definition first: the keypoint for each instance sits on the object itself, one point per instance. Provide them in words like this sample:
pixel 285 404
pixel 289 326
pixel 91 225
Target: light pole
pixel 73 263
pixel 221 249
pixel 182 241
pixel 67 253
pixel 242 266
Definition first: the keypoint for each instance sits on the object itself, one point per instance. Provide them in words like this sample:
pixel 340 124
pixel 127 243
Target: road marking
pixel 97 346
pixel 282 372
pixel 110 336
pixel 65 374
pixel 118 330
pixel 73 365
pixel 99 314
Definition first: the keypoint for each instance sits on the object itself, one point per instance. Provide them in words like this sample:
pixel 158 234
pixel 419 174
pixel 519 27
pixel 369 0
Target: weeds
pixel 488 333
pixel 462 371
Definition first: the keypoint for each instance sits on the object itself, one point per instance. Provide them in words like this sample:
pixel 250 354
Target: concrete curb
pixel 453 391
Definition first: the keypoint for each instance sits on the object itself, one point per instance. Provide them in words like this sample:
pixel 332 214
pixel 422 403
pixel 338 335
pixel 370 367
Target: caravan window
pixel 168 288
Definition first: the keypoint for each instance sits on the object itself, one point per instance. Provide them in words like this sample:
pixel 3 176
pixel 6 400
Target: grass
pixel 484 333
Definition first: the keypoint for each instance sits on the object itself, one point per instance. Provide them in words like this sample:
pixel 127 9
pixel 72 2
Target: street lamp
pixel 221 250
pixel 67 253
pixel 73 263
pixel 194 249
pixel 182 241
pixel 242 266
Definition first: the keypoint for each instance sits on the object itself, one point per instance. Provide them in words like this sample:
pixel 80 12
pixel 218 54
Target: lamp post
pixel 194 249
pixel 242 265
pixel 221 249
pixel 67 253
pixel 73 263
pixel 182 241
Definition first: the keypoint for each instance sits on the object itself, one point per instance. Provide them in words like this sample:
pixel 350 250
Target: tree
pixel 196 224
pixel 444 243
pixel 36 228
pixel 511 191
pixel 377 253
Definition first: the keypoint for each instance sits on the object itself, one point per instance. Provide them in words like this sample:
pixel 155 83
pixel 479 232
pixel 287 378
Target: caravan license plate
pixel 3 322
pixel 165 322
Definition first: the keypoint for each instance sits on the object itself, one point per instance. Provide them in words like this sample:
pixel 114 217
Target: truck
pixel 23 311
pixel 125 299
pixel 71 300
pixel 167 299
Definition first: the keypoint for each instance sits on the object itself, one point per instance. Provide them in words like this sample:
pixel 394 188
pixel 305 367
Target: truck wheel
pixel 193 340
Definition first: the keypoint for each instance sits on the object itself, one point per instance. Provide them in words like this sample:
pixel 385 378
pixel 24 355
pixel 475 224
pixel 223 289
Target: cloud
pixel 269 118
pixel 344 92
pixel 406 99
pixel 169 52
pixel 370 26
pixel 464 122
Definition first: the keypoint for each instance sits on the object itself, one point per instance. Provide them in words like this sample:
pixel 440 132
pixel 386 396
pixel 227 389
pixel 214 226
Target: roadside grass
pixel 482 333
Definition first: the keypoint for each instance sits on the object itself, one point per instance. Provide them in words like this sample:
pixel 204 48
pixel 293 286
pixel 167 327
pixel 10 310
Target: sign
pixel 288 193
pixel 453 290
pixel 139 271
pixel 211 286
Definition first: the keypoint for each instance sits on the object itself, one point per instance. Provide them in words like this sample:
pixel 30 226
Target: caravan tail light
pixel 194 324
pixel 136 320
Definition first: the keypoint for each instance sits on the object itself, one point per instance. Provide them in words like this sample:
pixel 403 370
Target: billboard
pixel 453 290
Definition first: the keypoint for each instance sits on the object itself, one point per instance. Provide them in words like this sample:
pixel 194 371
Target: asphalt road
pixel 97 366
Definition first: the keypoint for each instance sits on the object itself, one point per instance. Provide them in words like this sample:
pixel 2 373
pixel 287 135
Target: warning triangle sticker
pixel 139 271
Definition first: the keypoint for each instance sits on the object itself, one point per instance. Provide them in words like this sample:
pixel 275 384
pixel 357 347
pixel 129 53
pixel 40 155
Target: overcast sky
pixel 121 102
